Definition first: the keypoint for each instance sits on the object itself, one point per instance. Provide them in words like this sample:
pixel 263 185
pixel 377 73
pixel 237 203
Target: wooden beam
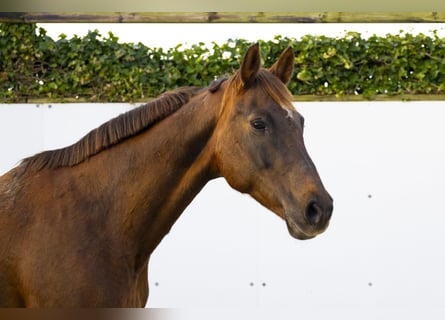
pixel 223 17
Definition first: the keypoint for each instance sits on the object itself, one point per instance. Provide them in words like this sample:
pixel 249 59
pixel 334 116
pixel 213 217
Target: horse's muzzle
pixel 312 221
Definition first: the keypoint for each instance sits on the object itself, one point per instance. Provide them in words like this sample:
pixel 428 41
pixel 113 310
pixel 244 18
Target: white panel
pixel 209 258
pixel 383 163
pixel 21 129
pixel 64 124
pixel 381 257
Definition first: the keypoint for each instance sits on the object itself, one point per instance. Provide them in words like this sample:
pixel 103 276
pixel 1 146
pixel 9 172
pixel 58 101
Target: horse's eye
pixel 258 124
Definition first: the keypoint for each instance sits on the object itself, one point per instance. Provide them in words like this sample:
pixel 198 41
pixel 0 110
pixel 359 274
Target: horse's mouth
pixel 296 232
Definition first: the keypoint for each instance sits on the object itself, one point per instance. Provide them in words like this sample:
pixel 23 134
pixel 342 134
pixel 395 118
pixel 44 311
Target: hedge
pixel 99 68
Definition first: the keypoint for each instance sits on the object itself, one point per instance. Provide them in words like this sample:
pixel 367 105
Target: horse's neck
pixel 161 171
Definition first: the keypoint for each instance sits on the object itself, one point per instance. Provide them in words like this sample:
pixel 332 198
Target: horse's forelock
pixel 275 88
pixel 266 81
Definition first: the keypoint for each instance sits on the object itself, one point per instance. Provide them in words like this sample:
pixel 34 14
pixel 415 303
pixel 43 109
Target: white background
pixel 381 257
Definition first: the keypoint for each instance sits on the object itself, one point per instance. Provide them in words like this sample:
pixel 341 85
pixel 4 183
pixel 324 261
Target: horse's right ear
pixel 251 64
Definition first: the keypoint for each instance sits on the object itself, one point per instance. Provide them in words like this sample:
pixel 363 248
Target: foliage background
pixel 99 68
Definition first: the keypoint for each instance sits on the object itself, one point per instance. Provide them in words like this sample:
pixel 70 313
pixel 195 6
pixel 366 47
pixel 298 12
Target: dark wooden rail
pixel 225 17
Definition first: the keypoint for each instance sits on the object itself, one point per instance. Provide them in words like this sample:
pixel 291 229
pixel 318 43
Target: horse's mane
pixel 112 132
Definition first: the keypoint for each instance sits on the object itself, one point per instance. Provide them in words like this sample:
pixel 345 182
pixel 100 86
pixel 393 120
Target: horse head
pixel 260 148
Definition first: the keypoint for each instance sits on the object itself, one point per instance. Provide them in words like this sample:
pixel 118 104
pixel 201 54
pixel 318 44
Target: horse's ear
pixel 251 64
pixel 284 67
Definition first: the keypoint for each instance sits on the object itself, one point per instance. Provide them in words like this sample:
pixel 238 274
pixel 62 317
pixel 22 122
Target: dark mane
pixel 112 132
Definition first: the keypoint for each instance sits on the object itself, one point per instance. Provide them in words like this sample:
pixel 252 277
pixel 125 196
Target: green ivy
pixel 99 68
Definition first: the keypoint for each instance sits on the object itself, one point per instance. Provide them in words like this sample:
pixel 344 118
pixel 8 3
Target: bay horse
pixel 78 224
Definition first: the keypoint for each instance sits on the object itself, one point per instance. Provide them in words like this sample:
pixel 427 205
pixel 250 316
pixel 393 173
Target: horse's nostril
pixel 313 213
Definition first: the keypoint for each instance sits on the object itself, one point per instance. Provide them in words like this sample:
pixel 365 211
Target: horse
pixel 78 224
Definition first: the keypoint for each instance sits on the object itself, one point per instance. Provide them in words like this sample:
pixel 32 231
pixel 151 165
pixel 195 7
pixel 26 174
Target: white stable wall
pixel 382 256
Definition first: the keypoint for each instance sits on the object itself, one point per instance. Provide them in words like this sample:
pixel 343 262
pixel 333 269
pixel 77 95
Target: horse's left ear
pixel 284 67
pixel 251 64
